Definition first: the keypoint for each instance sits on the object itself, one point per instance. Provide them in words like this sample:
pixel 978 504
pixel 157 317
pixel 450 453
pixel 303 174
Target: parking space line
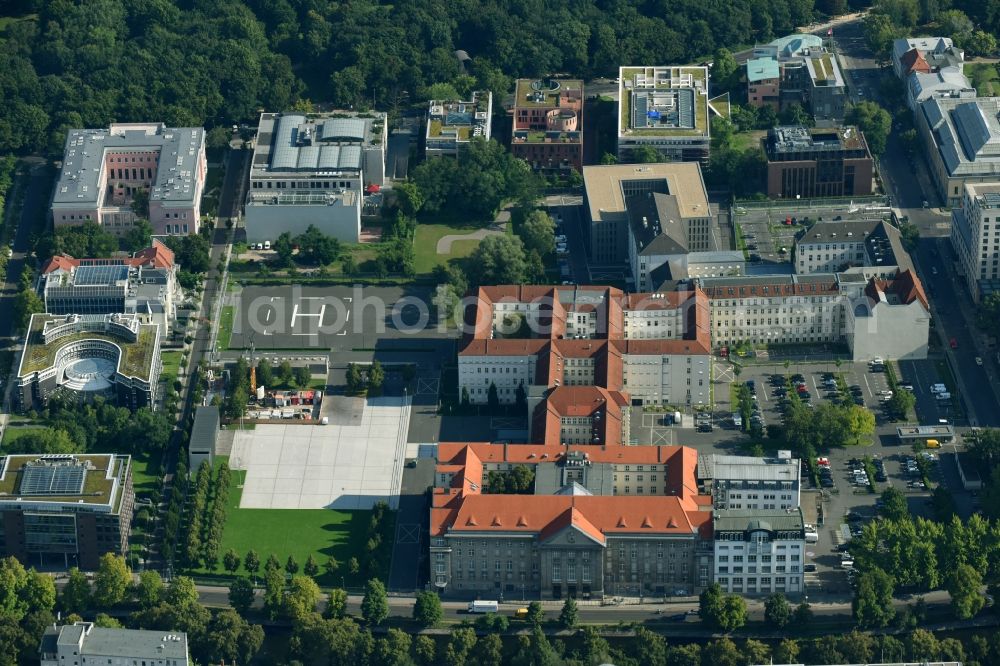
pixel 867 385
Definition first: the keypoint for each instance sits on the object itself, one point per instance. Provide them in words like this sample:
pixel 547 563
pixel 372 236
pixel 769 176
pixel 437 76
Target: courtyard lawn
pixel 984 77
pixel 425 245
pixel 170 361
pixel 225 328
pixel 301 533
pixel 145 473
pixel 11 434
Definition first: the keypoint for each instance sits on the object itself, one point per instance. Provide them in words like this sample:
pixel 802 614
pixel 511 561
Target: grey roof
pixel 295 142
pixel 742 520
pixel 83 160
pixel 657 225
pixel 748 468
pixel 924 44
pixel 947 82
pixel 796 44
pixel 967 133
pixel 573 488
pixel 343 129
pixel 845 231
pixel 205 430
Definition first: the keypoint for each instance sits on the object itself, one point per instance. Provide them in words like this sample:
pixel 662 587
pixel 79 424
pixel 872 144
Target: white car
pixel 979 360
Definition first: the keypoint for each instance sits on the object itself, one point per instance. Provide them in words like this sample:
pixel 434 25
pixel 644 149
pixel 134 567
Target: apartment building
pixel 811 162
pixel 547 130
pixel 452 123
pixel 83 644
pixel 314 169
pixel 872 247
pixel 572 542
pixel 797 69
pixel 654 347
pixel 961 138
pixel 975 235
pixel 583 415
pixel 103 169
pixel 666 109
pixel 745 482
pixel 759 551
pixel 144 285
pixel 59 511
pixel 924 55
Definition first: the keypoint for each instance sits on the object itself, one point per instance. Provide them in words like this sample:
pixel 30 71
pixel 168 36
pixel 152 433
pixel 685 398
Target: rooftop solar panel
pixel 100 275
pixel 49 479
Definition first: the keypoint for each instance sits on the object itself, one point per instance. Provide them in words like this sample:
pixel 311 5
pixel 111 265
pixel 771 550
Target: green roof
pixel 701 110
pixel 524 88
pixel 97 488
pixel 137 358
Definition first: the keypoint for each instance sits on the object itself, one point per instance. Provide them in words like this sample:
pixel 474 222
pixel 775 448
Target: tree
pixel 894 506
pixel 980 43
pixel 721 652
pixel 725 72
pixel 499 260
pixel 777 610
pixel 923 646
pixel 317 248
pixel 301 599
pixel 149 591
pixel 424 650
pixel 353 566
pixel 311 567
pixel 274 592
pixel 872 604
pixel 285 373
pixel 644 154
pixel 493 397
pixel 427 609
pixel 302 376
pixel 965 585
pixel 139 236
pixel 231 560
pixel 26 303
pixel 408 198
pixel 537 233
pixel 336 604
pixel 786 652
pixel 332 565
pixel 375 604
pixel 241 594
pixel 252 562
pixel 874 122
pixel 291 566
pixel 283 250
pixel 721 611
pixel 264 372
pixel 229 638
pixel 182 593
pixel 536 615
pixel 569 615
pixel 76 594
pixel 489 651
pixel 803 615
pixel 901 403
pixel 376 377
pixel 112 581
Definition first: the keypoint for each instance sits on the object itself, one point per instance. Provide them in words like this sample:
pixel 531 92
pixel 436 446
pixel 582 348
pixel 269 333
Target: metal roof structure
pixel 745 520
pixel 58 476
pixel 301 144
pixel 89 276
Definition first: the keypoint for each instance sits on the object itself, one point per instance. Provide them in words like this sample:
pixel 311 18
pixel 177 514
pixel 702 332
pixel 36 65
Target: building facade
pixel 925 55
pixel 571 543
pixel 797 69
pixel 451 123
pixel 666 109
pixel 808 163
pixel 745 482
pixel 65 510
pixel 763 83
pixel 143 285
pixel 83 644
pixel 759 551
pixel 975 236
pixel 547 129
pixel 81 357
pixel 872 246
pixel 314 169
pixel 103 169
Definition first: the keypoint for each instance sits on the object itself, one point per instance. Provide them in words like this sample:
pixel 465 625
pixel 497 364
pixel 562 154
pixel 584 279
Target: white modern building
pixel 314 170
pixel 83 644
pixel 746 482
pixel 975 235
pixel 872 247
pixel 451 123
pixel 103 169
pixel 759 551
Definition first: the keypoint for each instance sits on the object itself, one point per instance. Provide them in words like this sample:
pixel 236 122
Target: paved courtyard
pixel 351 465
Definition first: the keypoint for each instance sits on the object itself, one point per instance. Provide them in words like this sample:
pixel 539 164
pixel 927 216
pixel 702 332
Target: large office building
pixel 601 521
pixel 657 219
pixel 745 482
pixel 873 248
pixel 547 129
pixel 314 170
pixel 654 346
pixel 81 357
pixel 144 285
pixel 975 236
pixel 65 510
pixel 103 169
pixel 962 142
pixel 797 69
pixel 759 551
pixel 452 123
pixel 874 317
pixel 806 163
pixel 667 109
pixel 83 644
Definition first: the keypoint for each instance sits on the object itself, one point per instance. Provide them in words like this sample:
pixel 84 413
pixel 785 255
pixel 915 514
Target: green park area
pixel 426 240
pixel 984 77
pixel 321 533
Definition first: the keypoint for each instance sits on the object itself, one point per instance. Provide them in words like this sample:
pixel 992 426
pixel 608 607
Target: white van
pixel 938 388
pixel 484 607
pixel 943 396
pixel 267 245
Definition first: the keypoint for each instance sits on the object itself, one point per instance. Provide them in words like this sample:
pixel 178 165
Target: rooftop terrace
pixel 546 92
pixel 98 486
pixel 664 101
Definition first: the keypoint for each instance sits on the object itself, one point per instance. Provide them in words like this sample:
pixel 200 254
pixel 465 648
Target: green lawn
pixel 170 361
pixel 11 435
pixel 145 474
pixel 985 78
pixel 300 533
pixel 225 328
pixel 425 245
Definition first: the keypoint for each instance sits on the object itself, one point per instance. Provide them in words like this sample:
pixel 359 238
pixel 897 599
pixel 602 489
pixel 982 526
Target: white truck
pixel 484 607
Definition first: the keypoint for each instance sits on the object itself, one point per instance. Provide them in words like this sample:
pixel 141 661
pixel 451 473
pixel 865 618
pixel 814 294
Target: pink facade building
pixel 103 169
pixel 548 124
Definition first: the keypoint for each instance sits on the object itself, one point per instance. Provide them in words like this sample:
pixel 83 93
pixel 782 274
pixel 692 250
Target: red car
pixel 953 343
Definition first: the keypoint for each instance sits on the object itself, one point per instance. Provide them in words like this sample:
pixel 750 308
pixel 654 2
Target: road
pixel 234 183
pixel 34 203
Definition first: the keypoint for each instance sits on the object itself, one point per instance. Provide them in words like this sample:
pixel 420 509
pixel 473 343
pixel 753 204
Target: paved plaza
pixel 347 466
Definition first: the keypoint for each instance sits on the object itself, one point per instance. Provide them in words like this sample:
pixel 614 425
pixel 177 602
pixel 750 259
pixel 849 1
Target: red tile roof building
pixel 566 540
